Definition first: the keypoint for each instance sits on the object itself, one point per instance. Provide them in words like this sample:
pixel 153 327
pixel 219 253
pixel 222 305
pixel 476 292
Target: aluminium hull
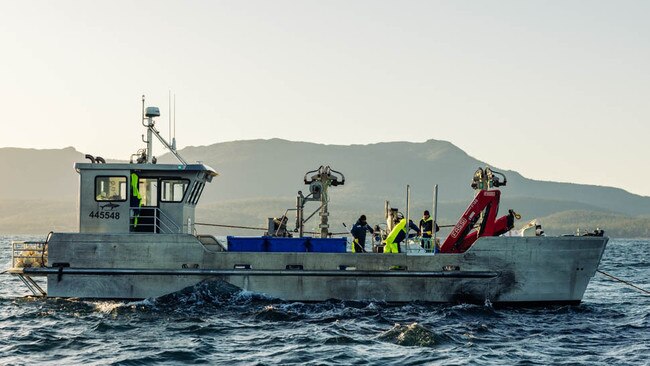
pixel 498 269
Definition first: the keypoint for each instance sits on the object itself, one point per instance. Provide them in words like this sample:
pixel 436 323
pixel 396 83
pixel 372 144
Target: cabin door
pixel 144 204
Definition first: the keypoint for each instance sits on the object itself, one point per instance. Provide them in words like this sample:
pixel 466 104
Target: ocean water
pixel 207 325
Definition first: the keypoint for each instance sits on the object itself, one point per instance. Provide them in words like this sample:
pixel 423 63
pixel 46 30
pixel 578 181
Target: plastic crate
pixel 287 245
pixel 29 254
pixel 327 245
pixel 246 244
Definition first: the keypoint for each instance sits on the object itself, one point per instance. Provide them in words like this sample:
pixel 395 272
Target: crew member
pixel 359 234
pixel 426 228
pixel 399 233
pixel 280 227
pixel 135 201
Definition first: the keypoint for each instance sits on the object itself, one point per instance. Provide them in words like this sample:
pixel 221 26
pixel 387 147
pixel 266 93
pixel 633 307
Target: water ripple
pixel 214 323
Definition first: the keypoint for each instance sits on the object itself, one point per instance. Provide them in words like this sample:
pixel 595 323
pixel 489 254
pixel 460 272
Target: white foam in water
pixel 108 306
pixel 105 307
pixel 246 295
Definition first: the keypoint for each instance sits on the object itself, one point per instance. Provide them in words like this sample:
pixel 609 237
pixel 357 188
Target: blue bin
pixel 327 245
pixel 287 245
pixel 246 244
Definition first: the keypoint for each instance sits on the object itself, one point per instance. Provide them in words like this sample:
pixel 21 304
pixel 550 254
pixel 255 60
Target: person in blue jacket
pixel 359 234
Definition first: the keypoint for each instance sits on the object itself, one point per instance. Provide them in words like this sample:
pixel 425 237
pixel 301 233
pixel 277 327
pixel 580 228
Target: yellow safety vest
pixel 427 220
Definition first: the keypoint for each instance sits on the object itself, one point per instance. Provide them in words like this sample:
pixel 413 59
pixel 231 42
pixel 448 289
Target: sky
pixel 556 90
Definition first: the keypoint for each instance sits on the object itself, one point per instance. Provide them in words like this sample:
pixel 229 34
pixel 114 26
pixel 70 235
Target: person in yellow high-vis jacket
pixel 399 233
pixel 136 198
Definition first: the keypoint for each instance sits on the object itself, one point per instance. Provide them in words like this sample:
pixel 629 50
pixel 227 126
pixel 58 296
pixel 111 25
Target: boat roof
pixel 148 167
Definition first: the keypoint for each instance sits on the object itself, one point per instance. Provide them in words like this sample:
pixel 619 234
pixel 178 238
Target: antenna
pixel 150 113
pixel 169 116
pixel 174 137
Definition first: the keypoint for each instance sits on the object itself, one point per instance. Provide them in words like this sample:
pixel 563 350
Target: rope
pixel 255 228
pixel 231 226
pixel 625 282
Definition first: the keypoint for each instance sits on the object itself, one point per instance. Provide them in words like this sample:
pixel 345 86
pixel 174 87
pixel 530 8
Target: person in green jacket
pixel 398 234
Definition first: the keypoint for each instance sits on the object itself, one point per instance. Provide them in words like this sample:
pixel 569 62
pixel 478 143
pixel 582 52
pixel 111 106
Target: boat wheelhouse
pixel 140 198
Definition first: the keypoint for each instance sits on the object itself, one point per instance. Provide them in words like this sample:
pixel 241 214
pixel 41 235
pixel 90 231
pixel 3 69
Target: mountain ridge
pixel 274 168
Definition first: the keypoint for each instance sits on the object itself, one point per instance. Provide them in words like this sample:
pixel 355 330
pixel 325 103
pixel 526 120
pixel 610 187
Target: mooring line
pixel 231 226
pixel 623 281
pixel 252 228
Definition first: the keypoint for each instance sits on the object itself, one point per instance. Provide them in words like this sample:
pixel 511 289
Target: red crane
pixel 480 218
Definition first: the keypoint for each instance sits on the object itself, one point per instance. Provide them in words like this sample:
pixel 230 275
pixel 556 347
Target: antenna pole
pixel 149 123
pixel 174 137
pixel 408 205
pixel 435 217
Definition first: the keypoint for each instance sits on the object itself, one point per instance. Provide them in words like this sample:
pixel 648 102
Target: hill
pixel 616 225
pixel 381 170
pixel 260 178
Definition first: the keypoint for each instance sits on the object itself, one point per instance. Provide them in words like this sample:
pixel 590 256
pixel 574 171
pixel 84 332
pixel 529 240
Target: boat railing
pixel 28 254
pixel 152 219
pixel 421 245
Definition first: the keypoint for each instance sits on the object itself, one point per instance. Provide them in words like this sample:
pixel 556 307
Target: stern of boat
pixel 28 254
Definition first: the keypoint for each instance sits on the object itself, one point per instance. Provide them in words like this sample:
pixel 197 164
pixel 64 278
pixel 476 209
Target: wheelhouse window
pixel 173 190
pixel 110 188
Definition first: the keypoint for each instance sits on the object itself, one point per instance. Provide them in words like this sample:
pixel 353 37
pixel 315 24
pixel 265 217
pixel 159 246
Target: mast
pixel 148 115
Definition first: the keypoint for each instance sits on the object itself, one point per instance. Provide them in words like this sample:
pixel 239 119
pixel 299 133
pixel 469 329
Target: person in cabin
pixel 359 234
pixel 426 229
pixel 399 233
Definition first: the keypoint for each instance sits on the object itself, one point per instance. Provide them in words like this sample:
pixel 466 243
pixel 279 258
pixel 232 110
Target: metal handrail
pixel 168 222
pixel 416 241
pixel 161 223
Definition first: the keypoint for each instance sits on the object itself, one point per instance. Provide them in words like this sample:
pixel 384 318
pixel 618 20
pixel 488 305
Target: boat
pixel 138 239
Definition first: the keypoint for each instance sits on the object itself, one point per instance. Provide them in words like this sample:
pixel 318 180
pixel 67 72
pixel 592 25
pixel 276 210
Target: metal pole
pixel 149 140
pixel 435 216
pixel 408 209
pixel 324 214
pixel 408 199
pixel 299 213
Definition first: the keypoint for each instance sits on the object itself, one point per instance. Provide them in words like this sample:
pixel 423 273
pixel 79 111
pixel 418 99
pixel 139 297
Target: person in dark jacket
pixel 359 234
pixel 426 228
pixel 280 227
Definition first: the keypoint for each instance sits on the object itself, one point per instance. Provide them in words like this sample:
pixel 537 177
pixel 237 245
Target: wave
pixel 413 334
